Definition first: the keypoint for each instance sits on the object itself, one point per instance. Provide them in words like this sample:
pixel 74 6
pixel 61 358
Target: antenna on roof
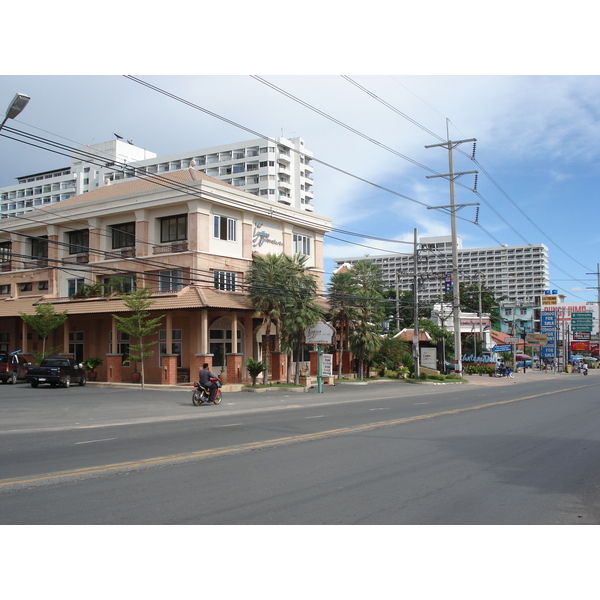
pixel 119 137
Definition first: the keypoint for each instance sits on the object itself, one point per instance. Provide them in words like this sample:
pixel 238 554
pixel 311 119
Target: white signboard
pixel 429 358
pixel 319 333
pixel 327 365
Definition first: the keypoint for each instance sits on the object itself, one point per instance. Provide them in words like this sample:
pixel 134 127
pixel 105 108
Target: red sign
pixel 580 346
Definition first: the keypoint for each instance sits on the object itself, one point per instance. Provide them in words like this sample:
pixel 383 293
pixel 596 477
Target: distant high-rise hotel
pixel 518 273
pixel 279 170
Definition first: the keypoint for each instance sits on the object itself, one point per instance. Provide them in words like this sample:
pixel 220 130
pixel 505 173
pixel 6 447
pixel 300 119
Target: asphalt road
pixel 489 452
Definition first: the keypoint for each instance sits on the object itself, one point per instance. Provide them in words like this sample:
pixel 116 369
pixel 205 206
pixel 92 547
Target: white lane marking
pixel 316 417
pixel 383 408
pixel 421 403
pixel 228 425
pixel 94 441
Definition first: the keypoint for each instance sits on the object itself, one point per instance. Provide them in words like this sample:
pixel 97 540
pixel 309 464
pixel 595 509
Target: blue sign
pixel 502 348
pixel 548 319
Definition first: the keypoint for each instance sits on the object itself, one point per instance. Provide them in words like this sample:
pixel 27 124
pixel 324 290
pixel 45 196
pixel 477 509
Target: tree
pixel 366 338
pixel 391 352
pixel 267 277
pixel 44 322
pixel 342 292
pixel 139 325
pixel 300 311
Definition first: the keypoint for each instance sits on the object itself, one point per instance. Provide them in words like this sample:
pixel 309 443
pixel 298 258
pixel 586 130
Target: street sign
pixel 512 340
pixel 537 339
pixel 582 321
pixel 548 319
pixel 327 365
pixel 319 333
pixel 502 348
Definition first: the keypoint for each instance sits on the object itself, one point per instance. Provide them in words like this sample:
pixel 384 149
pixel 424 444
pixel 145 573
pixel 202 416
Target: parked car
pixel 56 370
pixel 12 367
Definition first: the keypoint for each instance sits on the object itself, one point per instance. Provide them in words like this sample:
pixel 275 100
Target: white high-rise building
pixel 278 169
pixel 516 273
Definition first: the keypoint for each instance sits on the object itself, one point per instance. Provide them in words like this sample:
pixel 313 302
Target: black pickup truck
pixel 56 370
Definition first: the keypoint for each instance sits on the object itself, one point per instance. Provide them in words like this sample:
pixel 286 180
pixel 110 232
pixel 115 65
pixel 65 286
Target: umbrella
pixel 523 357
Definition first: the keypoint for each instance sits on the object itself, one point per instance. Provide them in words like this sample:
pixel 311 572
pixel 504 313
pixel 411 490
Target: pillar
pixel 114 368
pixel 234 368
pixel 199 360
pixel 278 366
pixel 169 369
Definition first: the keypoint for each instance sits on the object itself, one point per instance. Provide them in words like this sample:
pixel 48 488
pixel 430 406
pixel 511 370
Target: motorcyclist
pixel 209 380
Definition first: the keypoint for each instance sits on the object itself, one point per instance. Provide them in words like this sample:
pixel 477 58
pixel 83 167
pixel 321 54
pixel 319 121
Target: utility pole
pixel 451 176
pixel 416 308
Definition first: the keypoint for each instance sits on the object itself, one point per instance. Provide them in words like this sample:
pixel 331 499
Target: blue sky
pixel 537 141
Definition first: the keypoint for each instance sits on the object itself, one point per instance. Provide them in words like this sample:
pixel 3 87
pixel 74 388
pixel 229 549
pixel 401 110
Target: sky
pixel 537 142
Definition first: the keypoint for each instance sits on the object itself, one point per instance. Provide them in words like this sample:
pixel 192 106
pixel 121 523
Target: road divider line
pixel 187 456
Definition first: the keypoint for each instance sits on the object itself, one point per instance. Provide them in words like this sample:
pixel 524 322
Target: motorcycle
pixel 201 394
pixel 584 370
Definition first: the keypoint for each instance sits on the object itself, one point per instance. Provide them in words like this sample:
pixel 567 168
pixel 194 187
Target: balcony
pixel 167 248
pixel 38 263
pixel 82 258
pixel 127 252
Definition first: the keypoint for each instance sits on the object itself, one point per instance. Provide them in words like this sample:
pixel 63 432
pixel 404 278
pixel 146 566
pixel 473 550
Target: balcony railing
pixel 127 252
pixel 77 258
pixel 174 247
pixel 38 263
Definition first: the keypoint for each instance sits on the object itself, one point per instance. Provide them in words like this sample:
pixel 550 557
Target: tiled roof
pixel 188 298
pixel 407 335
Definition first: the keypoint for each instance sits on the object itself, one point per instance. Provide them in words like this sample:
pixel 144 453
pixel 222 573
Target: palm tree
pixel 300 312
pixel 366 338
pixel 342 292
pixel 267 279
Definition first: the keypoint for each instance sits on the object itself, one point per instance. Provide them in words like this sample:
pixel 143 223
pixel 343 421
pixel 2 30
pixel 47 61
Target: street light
pixel 19 102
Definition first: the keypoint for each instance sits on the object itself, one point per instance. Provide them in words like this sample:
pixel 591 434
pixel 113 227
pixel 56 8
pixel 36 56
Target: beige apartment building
pixel 188 236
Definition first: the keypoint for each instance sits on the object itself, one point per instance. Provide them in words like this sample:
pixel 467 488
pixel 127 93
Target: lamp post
pixel 19 102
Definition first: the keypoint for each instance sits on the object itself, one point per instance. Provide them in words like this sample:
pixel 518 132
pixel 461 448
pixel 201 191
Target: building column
pixel 278 366
pixel 114 368
pixel 234 368
pixel 199 360
pixel 169 369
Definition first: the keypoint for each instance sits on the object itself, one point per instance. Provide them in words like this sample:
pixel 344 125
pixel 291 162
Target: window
pixel 76 345
pixel 39 247
pixel 5 252
pixel 301 244
pixel 123 235
pixel 73 285
pixel 79 241
pixel 170 280
pixel 225 228
pixel 5 289
pixel 120 284
pixel 176 334
pixel 225 280
pixel 173 229
pixel 42 285
pixel 25 287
